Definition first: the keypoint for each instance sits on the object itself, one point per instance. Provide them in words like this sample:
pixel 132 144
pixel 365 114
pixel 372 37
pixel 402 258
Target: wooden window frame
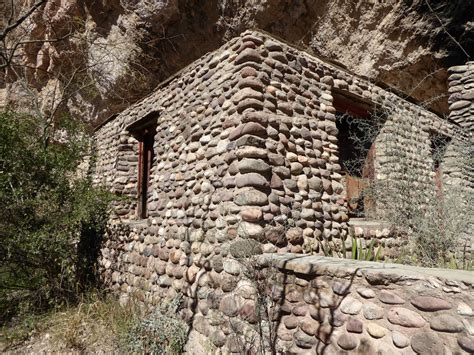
pixel 145 162
pixel 144 131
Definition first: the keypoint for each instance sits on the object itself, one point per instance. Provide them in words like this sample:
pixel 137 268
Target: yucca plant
pixel 359 252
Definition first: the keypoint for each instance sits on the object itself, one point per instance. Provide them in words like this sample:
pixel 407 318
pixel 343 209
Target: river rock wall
pixel 247 162
pixel 307 304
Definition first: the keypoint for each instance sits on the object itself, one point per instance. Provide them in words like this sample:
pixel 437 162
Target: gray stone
pixel 350 305
pixel 290 184
pixel 296 168
pixel 251 198
pixel 348 342
pixel 427 343
pixel 251 179
pixel 245 248
pixel 405 317
pixel 227 282
pixel 232 267
pixel 249 140
pixel 341 287
pixel 229 305
pixel 218 338
pixel 304 340
pixel 282 171
pixel 201 325
pixel 459 104
pixel 248 165
pixel 234 344
pixel 400 340
pixel 446 323
pixel 372 311
pixel 272 46
pixel 430 304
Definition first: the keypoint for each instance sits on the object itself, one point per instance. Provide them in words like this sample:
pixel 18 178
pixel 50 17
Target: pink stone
pixel 405 317
pixel 354 325
pixel 390 298
pixel 251 214
pixel 248 55
pixel 430 304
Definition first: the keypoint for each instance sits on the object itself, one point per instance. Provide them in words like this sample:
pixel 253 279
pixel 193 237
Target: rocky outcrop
pixel 120 50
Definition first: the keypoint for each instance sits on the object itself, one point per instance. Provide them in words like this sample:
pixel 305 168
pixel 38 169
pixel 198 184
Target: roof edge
pixel 328 61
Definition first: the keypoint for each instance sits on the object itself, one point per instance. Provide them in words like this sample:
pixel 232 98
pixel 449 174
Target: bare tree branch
pixel 21 19
pixel 446 31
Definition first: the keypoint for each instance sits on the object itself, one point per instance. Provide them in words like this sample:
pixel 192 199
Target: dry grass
pixel 95 325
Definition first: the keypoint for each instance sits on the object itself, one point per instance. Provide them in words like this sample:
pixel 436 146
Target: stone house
pixel 248 148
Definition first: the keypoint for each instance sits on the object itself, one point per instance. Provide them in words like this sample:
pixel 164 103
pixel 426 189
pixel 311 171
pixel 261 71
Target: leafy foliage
pixel 161 332
pixel 49 214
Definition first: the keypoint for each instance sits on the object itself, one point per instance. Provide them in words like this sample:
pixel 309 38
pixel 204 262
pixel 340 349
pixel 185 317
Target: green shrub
pixel 51 218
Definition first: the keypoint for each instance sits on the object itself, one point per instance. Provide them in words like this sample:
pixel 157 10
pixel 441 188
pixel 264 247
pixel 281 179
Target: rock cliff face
pixel 117 51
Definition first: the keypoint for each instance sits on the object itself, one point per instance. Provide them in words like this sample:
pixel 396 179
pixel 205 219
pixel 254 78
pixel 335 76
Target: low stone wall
pixel 311 304
pixel 236 300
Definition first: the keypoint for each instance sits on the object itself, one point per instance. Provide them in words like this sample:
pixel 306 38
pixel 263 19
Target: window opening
pixel 438 145
pixel 356 136
pixel 144 131
pixel 145 160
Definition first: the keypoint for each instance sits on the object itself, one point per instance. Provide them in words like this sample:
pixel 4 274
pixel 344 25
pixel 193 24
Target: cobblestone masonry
pixel 461 111
pixel 334 306
pixel 246 161
pixel 461 100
